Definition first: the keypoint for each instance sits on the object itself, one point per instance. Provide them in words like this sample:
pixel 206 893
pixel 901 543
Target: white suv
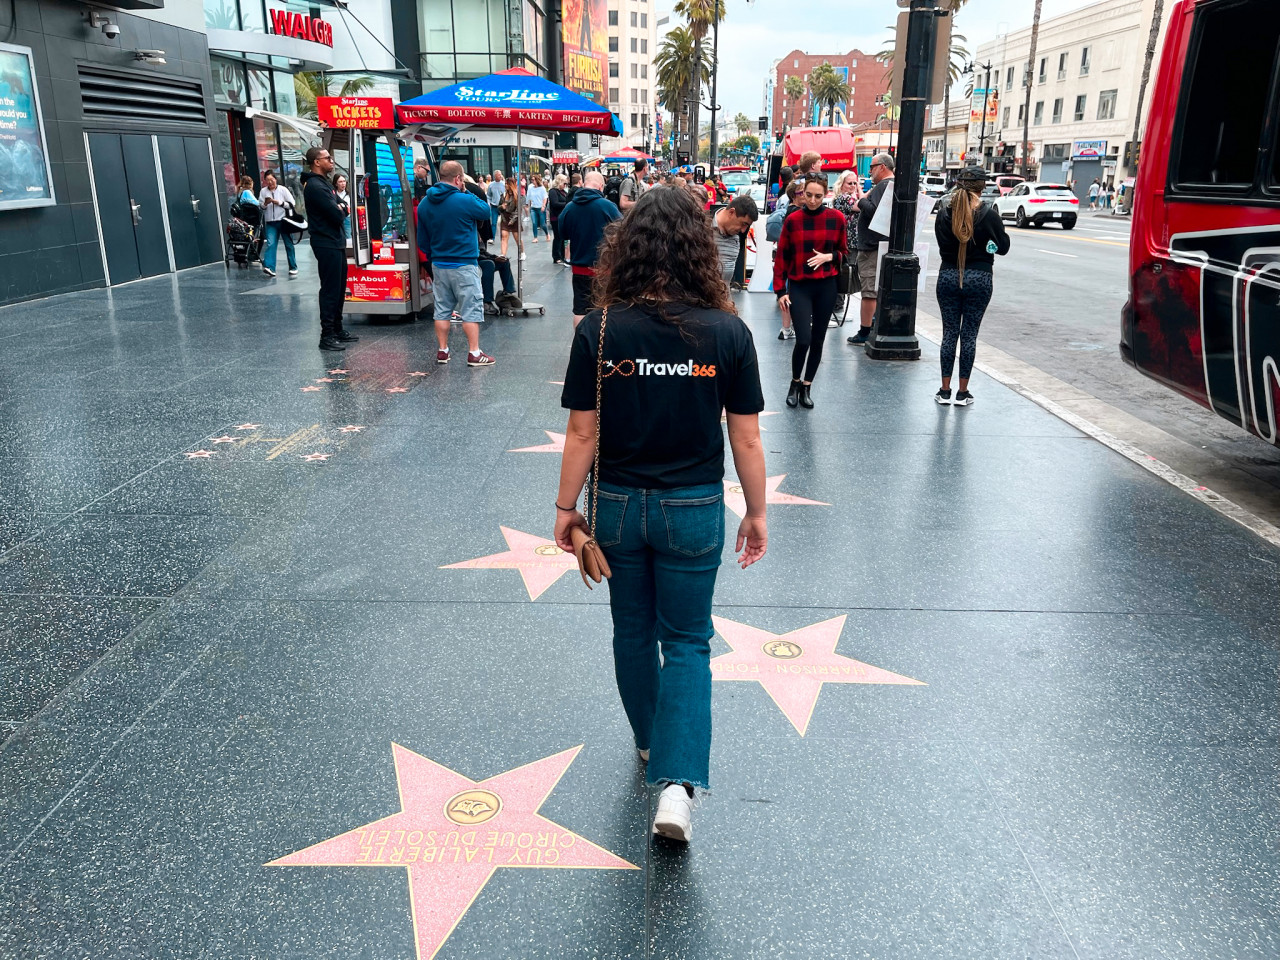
pixel 1040 203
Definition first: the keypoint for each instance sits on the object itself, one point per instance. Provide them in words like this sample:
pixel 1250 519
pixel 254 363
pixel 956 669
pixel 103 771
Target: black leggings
pixel 962 310
pixel 557 242
pixel 812 303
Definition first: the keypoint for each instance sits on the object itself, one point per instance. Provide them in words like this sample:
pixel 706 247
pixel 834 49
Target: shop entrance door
pixel 195 226
pixel 127 194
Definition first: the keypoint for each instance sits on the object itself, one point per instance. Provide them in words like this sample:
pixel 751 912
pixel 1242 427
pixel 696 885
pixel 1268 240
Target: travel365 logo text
pixel 645 368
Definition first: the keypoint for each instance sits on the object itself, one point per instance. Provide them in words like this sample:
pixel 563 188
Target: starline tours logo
pixel 642 367
pixel 523 97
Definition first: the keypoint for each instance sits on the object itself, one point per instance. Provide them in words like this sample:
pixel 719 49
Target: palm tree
pixel 699 16
pixel 308 86
pixel 743 123
pixel 794 89
pixel 1157 15
pixel 1026 109
pixel 829 88
pixel 676 74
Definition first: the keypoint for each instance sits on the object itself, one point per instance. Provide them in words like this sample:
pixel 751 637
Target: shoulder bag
pixel 591 562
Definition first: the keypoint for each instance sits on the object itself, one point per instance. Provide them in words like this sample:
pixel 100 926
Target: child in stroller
pixel 244 233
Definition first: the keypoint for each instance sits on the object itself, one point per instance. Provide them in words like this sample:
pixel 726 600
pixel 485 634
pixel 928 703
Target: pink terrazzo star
pixel 311 389
pixel 452 834
pixel 540 562
pixel 316 457
pixel 249 426
pixel 792 667
pixel 417 373
pixel 336 370
pixel 397 389
pixel 735 501
pixel 350 428
pixel 223 439
pixel 555 446
pixel 199 454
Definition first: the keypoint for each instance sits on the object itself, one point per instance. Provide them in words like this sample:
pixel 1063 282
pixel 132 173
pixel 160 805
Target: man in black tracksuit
pixel 326 215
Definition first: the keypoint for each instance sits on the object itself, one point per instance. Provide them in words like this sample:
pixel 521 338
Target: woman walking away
pixel 970 234
pixel 805 265
pixel 557 200
pixel 674 356
pixel 538 206
pixel 848 193
pixel 509 216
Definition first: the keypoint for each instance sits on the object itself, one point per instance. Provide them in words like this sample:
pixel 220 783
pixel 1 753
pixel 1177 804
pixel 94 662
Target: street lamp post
pixel 893 335
pixel 715 75
pixel 986 95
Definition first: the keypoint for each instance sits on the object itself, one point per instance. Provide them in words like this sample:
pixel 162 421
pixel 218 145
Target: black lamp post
pixel 893 336
pixel 986 96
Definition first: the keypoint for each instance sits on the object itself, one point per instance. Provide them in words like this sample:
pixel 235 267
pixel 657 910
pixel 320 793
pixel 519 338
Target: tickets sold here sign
pixel 356 113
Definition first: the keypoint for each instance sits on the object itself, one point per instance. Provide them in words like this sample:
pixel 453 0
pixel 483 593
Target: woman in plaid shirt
pixel 805 266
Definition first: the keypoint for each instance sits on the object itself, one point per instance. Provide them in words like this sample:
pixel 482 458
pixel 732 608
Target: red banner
pixel 357 113
pixel 508 117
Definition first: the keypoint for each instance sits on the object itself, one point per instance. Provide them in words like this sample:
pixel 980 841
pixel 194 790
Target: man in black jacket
pixel 326 215
pixel 882 165
pixel 582 224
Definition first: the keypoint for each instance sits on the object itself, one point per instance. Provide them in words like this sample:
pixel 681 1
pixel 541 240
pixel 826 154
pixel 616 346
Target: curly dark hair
pixel 661 252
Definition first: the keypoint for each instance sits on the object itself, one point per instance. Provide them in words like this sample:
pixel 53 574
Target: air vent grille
pixel 141 98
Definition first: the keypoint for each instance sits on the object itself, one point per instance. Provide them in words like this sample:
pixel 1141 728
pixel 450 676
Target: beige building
pixel 633 40
pixel 1084 92
pixel 945 144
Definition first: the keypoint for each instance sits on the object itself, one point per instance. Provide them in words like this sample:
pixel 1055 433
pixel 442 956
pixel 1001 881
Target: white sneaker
pixel 269 273
pixel 521 256
pixel 293 273
pixel 674 819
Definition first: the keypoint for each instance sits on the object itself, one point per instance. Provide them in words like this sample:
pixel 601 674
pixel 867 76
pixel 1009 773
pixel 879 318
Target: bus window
pixel 1225 98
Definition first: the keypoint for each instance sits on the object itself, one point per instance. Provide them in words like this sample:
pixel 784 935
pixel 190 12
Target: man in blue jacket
pixel 582 224
pixel 448 222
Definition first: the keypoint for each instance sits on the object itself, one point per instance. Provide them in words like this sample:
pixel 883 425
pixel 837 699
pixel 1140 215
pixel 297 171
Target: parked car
pixel 991 192
pixel 1007 182
pixel 757 191
pixel 934 184
pixel 1040 203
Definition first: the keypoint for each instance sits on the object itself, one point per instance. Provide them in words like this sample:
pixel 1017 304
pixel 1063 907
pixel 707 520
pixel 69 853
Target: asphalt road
pixel 1057 306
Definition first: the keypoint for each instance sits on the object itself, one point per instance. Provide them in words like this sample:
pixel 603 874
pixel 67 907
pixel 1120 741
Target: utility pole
pixel 715 75
pixel 893 336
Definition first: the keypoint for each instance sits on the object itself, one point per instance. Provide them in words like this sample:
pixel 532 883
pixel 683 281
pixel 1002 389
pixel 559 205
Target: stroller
pixel 244 234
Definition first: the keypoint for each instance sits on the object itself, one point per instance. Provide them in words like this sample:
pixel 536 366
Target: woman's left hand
pixel 818 259
pixel 566 521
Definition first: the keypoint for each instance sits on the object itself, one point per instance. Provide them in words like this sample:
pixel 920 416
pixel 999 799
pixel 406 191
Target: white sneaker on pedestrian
pixel 674 819
pixel 293 273
pixel 522 253
pixel 269 273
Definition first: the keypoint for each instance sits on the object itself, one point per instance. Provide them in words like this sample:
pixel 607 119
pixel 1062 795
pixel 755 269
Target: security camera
pixel 111 30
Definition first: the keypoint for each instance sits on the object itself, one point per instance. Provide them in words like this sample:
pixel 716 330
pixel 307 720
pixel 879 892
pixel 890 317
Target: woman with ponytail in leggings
pixel 805 266
pixel 970 235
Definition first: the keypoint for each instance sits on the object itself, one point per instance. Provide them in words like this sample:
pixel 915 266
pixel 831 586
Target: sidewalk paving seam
pixel 1000 370
pixel 1018 843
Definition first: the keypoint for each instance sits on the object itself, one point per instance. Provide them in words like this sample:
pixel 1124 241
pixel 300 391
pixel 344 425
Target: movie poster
pixel 24 162
pixel 586 48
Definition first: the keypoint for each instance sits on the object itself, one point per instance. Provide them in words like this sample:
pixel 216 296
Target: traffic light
pixel 764 124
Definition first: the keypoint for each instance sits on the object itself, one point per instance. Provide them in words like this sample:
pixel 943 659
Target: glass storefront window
pixel 228 81
pixel 221 15
pixel 260 88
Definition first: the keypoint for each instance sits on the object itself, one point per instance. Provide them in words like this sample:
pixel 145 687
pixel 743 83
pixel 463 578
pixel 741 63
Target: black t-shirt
pixel 665 387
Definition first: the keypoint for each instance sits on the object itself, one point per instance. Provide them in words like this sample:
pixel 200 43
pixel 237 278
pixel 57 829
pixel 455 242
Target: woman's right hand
pixel 565 521
pixel 784 302
pixel 753 533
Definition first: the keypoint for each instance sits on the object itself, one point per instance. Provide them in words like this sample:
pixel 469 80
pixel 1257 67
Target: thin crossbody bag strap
pixel 595 464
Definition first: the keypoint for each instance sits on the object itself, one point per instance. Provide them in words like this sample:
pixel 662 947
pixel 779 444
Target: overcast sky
pixel 753 36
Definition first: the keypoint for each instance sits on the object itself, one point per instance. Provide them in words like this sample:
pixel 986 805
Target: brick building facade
pixel 866 77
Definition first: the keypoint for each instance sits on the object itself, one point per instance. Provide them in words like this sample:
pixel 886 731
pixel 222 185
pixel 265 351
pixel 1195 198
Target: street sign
pixel 941 68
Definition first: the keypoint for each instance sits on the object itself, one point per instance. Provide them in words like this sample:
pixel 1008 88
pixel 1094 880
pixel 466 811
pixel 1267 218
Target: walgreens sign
pixel 301 27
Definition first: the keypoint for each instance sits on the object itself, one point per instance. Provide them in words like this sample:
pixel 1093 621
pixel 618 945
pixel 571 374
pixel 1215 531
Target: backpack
pixel 613 190
pixel 773 226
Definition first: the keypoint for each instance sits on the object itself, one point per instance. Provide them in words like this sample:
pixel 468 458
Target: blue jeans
pixel 494 219
pixel 503 269
pixel 664 548
pixel 539 218
pixel 269 253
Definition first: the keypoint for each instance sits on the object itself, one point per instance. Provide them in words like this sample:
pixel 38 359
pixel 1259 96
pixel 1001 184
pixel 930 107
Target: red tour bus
pixel 1203 316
